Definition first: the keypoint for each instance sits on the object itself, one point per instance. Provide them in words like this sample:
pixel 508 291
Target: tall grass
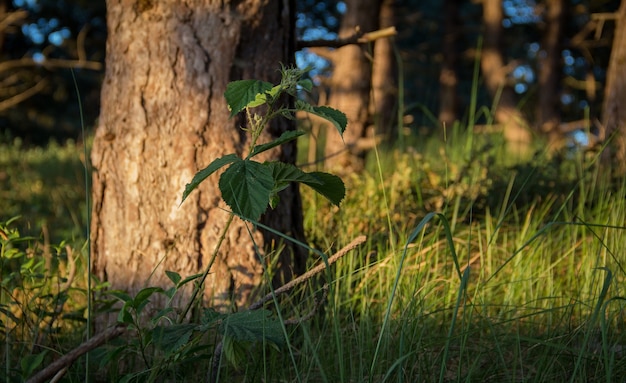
pixel 498 271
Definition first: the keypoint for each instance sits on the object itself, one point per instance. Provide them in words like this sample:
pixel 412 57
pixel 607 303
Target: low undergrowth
pixel 475 269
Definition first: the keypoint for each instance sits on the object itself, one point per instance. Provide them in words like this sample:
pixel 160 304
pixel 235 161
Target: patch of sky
pixel 523 75
pixel 341 7
pixel 38 57
pixel 520 12
pixel 533 49
pixel 57 37
pixel 30 4
pixel 567 98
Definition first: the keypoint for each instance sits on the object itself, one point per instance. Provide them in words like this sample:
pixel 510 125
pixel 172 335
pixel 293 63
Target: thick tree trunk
pixel 613 110
pixel 549 68
pixel 384 102
pixel 350 88
pixel 448 79
pixel 495 73
pixel 163 117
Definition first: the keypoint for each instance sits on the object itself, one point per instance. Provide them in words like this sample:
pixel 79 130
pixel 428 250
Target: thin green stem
pixel 208 268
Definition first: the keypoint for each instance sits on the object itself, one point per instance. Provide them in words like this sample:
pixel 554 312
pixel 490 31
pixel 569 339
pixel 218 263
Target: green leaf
pixel 173 276
pixel 240 94
pixel 30 363
pixel 331 186
pixel 250 326
pixel 328 185
pixel 306 84
pixel 204 173
pixel 141 299
pixel 120 295
pixel 334 116
pixel 287 136
pixel 246 186
pixel 234 351
pixel 124 315
pixel 189 279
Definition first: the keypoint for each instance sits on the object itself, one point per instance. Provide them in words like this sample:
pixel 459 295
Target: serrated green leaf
pixel 336 117
pixel 285 173
pixel 209 316
pixel 173 276
pixel 332 187
pixel 246 187
pixel 171 338
pixel 240 94
pixel 328 185
pixel 204 173
pixel 287 136
pixel 250 326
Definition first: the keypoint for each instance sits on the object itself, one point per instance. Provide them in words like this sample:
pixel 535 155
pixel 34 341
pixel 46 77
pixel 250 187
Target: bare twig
pixel 16 99
pixel 69 358
pixel 49 63
pixel 357 38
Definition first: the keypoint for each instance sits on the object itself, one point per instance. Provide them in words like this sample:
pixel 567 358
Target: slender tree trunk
pixel 350 87
pixel 549 68
pixel 448 79
pixel 495 73
pixel 384 103
pixel 163 117
pixel 613 108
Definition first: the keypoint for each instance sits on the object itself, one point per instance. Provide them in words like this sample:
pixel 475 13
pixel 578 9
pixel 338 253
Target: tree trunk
pixel 164 117
pixel 549 68
pixel 613 111
pixel 384 102
pixel 448 79
pixel 495 73
pixel 350 88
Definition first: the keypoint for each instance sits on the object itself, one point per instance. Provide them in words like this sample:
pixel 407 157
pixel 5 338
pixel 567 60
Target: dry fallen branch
pixel 66 360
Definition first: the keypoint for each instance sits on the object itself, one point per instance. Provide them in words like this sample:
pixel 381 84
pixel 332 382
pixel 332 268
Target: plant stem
pixel 208 268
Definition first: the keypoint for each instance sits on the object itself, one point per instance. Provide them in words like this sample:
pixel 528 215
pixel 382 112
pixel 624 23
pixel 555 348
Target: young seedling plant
pixel 249 187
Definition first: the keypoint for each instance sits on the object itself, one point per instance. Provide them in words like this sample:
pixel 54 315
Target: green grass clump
pixel 519 279
pixel 478 267
pixel 45 186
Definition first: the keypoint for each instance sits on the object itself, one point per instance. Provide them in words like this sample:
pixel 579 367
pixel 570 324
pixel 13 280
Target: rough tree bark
pixel 549 73
pixel 350 87
pixel 613 110
pixel 163 117
pixel 495 73
pixel 448 79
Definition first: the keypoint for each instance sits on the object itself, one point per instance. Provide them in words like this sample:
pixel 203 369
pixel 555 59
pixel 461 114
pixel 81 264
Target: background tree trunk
pixel 613 108
pixel 549 76
pixel 350 87
pixel 163 118
pixel 448 79
pixel 495 73
pixel 384 102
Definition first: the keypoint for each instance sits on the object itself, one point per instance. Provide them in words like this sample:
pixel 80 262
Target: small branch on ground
pixel 66 360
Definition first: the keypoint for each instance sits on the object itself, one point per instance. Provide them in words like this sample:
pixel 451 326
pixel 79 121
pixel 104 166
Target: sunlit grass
pixel 537 294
